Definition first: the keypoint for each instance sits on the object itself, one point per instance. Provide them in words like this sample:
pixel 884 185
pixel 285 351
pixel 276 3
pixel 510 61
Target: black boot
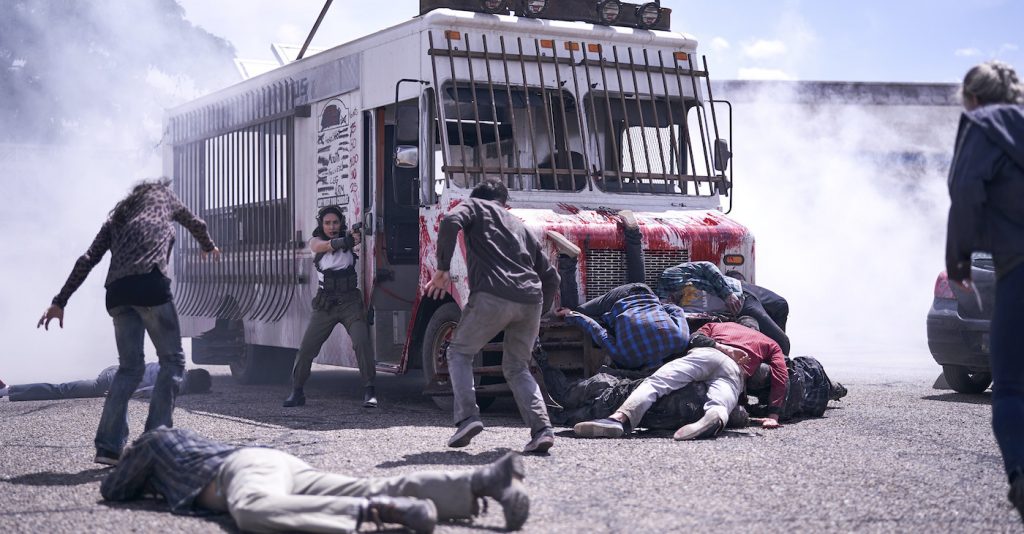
pixel 297 398
pixel 369 398
pixel 502 481
pixel 418 515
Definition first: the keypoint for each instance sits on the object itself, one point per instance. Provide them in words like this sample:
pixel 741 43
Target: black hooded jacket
pixel 986 186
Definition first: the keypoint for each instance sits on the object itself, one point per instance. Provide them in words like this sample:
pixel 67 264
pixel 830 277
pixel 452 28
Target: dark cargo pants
pixel 347 310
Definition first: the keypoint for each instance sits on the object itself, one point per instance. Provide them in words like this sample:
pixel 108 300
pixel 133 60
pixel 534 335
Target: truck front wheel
pixel 435 338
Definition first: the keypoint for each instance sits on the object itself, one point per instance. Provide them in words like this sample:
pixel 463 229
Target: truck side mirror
pixel 407 156
pixel 722 155
pixel 407 124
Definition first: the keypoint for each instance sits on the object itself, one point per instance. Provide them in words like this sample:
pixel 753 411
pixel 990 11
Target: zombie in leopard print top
pixel 139 243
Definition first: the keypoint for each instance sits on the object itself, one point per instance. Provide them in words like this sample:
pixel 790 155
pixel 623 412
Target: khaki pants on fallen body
pixel 267 490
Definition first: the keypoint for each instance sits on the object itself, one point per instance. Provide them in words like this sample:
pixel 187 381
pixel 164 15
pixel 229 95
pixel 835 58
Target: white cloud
pixel 759 73
pixel 763 49
pixel 719 44
pixel 1008 47
pixel 967 52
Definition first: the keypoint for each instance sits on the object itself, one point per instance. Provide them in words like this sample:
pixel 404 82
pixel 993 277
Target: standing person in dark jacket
pixel 512 284
pixel 139 236
pixel 986 186
pixel 338 301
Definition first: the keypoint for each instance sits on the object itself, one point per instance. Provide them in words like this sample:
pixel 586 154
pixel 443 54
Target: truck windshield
pixel 529 136
pixel 642 142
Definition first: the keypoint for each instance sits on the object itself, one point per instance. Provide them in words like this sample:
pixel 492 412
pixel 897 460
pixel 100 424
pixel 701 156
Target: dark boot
pixel 369 398
pixel 418 515
pixel 502 481
pixel 297 398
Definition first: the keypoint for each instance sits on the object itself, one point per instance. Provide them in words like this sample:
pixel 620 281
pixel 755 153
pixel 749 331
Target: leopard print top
pixel 144 241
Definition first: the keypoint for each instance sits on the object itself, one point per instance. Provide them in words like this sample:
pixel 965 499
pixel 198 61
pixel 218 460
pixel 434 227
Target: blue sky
pixel 864 40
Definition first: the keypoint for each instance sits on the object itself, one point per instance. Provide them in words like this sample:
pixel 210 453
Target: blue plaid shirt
pixel 643 330
pixel 704 276
pixel 171 462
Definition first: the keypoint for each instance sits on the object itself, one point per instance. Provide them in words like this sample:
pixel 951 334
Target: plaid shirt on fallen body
pixel 171 462
pixel 644 331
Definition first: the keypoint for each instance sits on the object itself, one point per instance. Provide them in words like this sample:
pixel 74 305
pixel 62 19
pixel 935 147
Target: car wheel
pixel 438 332
pixel 963 380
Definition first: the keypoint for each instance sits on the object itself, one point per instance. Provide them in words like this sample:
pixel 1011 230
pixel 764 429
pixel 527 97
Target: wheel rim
pixel 437 359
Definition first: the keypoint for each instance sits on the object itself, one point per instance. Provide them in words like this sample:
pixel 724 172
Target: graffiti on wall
pixel 337 153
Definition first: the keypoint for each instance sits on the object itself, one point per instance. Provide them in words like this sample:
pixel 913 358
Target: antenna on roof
pixel 312 32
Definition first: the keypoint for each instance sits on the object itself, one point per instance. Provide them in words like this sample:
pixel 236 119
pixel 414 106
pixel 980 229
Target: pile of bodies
pixel 663 376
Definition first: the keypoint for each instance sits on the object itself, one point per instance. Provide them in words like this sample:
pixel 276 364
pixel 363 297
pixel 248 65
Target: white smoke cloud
pixel 848 207
pixel 764 49
pixel 759 73
pixel 58 188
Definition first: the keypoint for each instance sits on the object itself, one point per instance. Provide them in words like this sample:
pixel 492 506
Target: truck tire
pixel 439 330
pixel 263 364
pixel 963 380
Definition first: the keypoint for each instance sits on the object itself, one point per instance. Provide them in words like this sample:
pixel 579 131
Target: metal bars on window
pixel 233 165
pixel 542 114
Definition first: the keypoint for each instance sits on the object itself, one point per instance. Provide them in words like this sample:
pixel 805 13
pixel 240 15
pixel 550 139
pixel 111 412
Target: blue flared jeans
pixel 131 323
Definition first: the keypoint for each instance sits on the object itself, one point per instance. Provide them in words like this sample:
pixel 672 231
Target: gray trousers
pixel 349 312
pixel 723 377
pixel 484 316
pixel 266 490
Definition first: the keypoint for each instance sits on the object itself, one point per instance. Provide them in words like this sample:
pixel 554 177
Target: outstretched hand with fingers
pixel 215 253
pixel 438 286
pixel 51 313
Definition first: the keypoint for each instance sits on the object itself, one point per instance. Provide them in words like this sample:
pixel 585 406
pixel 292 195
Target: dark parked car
pixel 958 327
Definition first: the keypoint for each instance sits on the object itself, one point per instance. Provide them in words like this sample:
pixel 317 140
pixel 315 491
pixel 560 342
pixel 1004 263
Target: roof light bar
pixel 494 6
pixel 608 11
pixel 649 14
pixel 643 14
pixel 532 8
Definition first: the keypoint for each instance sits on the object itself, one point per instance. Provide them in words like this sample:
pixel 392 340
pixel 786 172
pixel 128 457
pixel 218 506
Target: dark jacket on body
pixel 986 186
pixel 503 257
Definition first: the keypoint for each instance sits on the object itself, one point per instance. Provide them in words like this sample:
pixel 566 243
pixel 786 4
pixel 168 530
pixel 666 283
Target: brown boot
pixel 418 515
pixel 502 481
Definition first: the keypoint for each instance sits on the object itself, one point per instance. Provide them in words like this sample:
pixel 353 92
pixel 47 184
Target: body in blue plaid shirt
pixel 638 330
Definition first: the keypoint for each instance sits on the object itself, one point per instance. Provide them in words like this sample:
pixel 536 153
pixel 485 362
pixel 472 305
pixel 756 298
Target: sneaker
pixel 600 428
pixel 107 458
pixel 502 481
pixel 1016 494
pixel 837 392
pixel 297 398
pixel 418 515
pixel 708 426
pixel 369 398
pixel 628 219
pixel 563 244
pixel 467 429
pixel 540 442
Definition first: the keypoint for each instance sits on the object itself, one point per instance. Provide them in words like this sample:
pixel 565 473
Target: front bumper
pixel 954 340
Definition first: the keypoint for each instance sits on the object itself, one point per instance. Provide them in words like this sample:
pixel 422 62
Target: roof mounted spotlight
pixel 608 11
pixel 494 6
pixel 648 14
pixel 532 8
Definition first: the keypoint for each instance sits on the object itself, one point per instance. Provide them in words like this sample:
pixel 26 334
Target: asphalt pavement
pixel 895 455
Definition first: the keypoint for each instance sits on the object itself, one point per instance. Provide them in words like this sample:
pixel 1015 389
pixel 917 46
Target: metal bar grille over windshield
pixel 544 114
pixel 233 164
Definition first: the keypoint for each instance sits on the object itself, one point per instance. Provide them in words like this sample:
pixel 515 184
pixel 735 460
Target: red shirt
pixel 760 348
